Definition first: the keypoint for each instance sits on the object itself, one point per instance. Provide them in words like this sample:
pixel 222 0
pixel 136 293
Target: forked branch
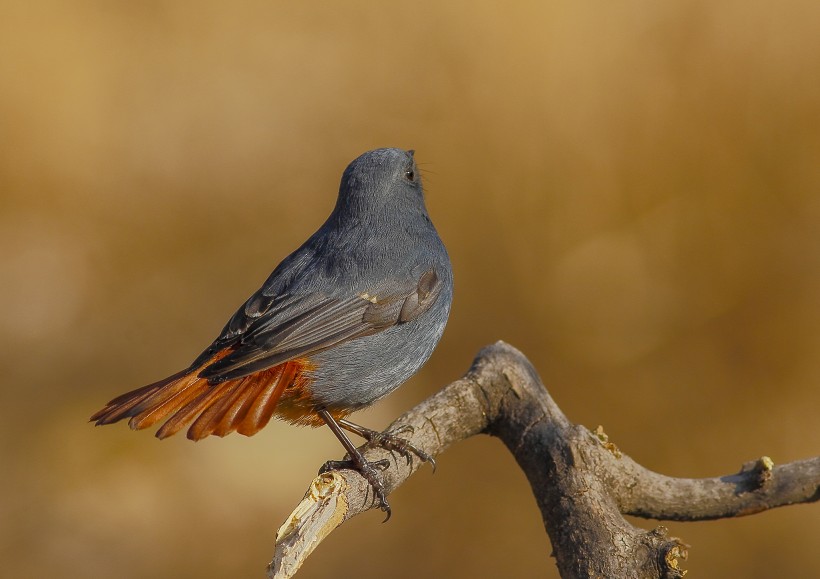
pixel 583 484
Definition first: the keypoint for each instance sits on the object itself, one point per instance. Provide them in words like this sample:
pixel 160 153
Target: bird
pixel 340 323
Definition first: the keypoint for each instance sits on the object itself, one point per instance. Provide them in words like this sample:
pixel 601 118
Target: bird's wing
pixel 297 326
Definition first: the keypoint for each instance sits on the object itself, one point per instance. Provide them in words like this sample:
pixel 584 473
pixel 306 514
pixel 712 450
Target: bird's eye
pixel 410 175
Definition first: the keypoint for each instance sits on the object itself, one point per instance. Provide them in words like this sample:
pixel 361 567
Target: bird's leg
pixel 389 441
pixel 357 462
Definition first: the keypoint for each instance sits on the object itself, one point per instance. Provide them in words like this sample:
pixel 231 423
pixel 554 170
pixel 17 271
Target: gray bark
pixel 583 483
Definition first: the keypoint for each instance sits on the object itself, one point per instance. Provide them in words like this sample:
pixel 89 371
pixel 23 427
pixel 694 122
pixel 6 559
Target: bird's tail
pixel 244 404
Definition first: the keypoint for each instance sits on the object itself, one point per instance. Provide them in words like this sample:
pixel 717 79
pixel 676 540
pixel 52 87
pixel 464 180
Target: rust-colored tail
pixel 244 405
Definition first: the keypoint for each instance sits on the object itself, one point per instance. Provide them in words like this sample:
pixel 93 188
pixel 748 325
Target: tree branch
pixel 758 486
pixel 583 484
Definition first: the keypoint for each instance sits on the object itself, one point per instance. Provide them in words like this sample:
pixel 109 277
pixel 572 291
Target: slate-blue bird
pixel 340 323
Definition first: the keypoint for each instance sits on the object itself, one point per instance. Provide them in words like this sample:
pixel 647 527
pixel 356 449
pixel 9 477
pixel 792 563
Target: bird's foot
pixel 391 441
pixel 371 473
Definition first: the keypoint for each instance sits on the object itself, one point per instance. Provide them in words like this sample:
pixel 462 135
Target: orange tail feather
pixel 237 412
pixel 209 419
pixel 114 410
pixel 151 411
pixel 261 411
pixel 190 411
pixel 245 404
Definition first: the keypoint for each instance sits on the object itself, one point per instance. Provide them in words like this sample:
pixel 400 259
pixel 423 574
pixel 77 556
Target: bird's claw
pixel 392 442
pixel 370 472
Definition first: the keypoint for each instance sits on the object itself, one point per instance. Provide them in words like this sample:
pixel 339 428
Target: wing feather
pixel 298 327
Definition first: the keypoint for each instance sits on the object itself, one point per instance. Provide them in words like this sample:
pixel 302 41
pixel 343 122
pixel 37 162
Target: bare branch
pixel 759 486
pixel 455 413
pixel 582 482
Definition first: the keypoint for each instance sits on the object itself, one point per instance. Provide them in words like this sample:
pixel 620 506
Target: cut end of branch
pixel 323 509
pixel 675 552
pixel 669 550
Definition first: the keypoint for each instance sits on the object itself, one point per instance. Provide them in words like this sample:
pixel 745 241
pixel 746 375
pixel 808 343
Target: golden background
pixel 629 192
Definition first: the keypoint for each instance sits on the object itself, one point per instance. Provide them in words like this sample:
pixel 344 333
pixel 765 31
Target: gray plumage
pixel 366 298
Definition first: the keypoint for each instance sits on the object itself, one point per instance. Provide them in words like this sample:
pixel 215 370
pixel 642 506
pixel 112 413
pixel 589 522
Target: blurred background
pixel 629 193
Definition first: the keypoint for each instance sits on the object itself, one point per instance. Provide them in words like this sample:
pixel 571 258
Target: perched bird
pixel 343 321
